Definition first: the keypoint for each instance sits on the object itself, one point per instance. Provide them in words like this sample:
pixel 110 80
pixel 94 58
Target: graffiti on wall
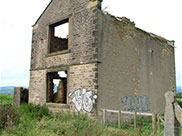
pixel 83 100
pixel 136 103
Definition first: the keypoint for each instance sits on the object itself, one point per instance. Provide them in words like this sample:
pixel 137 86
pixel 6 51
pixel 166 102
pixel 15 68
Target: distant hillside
pixel 179 89
pixel 7 90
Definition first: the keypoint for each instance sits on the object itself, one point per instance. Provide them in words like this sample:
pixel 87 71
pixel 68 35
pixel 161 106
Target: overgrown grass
pixel 6 99
pixel 179 99
pixel 36 121
pixel 143 127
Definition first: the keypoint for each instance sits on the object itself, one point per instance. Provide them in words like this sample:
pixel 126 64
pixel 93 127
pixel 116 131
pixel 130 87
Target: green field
pixel 6 99
pixel 179 99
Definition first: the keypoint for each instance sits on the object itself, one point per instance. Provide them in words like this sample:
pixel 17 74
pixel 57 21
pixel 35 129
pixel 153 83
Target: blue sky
pixel 162 17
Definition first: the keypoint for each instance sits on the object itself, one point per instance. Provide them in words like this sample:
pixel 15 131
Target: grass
pixel 6 99
pixel 179 99
pixel 179 95
pixel 35 120
pixel 143 127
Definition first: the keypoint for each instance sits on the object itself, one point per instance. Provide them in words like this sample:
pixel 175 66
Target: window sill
pixel 58 53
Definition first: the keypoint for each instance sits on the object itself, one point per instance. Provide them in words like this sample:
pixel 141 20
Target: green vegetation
pixel 6 99
pixel 179 99
pixel 9 116
pixel 31 120
pixel 143 127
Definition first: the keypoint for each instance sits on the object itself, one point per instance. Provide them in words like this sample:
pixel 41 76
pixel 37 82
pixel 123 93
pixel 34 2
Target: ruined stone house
pixel 104 62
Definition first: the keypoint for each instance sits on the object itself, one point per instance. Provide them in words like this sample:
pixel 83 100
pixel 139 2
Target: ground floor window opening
pixel 57 87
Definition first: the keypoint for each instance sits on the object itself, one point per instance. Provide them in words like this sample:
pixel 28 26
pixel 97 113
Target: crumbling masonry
pixel 107 62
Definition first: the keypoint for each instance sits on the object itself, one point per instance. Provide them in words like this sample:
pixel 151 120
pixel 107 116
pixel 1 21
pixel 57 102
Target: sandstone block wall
pixel 83 77
pixel 79 60
pixel 37 87
pixel 82 34
pixel 60 44
pixel 20 96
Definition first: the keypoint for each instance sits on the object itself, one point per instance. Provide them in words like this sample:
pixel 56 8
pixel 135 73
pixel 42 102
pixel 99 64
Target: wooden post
pixel 158 123
pixel 154 123
pixel 104 115
pixel 119 119
pixel 135 115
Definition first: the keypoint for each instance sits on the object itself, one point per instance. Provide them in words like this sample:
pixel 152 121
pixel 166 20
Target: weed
pixel 6 99
pixel 68 124
pixel 33 111
pixel 9 116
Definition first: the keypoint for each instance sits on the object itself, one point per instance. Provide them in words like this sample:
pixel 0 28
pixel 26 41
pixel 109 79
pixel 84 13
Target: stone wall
pixel 82 29
pixel 80 59
pixel 20 96
pixel 129 62
pixel 37 87
pixel 60 44
pixel 173 115
pixel 83 77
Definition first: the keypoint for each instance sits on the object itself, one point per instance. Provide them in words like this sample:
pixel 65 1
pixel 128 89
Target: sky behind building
pixel 161 17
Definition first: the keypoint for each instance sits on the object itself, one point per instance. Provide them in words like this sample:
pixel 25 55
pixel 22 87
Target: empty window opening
pixel 59 36
pixel 57 87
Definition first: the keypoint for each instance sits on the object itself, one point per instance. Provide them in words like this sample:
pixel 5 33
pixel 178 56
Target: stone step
pixel 58 110
pixel 57 105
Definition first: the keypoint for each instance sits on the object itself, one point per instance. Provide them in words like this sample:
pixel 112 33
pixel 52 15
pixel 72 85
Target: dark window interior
pixel 57 87
pixel 59 36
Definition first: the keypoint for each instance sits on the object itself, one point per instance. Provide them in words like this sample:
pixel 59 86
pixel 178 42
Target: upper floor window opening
pixel 59 36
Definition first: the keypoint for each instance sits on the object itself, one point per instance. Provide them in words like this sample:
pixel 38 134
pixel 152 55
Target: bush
pixel 33 111
pixel 83 126
pixel 9 116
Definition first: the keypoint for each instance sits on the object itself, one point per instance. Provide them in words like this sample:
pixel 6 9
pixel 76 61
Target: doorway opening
pixel 57 87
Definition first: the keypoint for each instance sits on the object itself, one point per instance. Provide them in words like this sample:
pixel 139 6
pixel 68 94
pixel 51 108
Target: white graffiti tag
pixel 83 100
